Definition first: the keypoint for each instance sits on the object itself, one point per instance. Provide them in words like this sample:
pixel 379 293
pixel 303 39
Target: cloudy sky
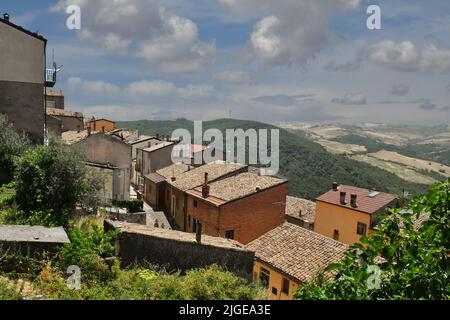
pixel 266 60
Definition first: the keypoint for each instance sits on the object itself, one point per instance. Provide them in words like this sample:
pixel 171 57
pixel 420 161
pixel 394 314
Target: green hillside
pixel 309 167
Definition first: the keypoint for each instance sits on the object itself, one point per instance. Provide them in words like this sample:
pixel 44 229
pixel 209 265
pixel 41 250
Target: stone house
pixel 241 207
pixel 108 155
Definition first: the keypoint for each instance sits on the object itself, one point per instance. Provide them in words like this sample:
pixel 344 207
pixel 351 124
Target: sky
pixel 264 60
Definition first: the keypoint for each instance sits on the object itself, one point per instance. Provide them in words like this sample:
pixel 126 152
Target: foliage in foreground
pixel 12 144
pixel 108 281
pixel 49 182
pixel 414 261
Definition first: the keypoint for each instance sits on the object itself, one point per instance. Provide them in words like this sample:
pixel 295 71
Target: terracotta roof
pixel 302 209
pixel 173 170
pixel 154 177
pixel 237 187
pixel 63 113
pixel 100 119
pixel 176 235
pixel 196 177
pixel 72 137
pixel 368 201
pixel 296 251
pixel 159 146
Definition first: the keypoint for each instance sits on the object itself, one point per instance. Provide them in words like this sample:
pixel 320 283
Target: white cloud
pixel 289 32
pixel 233 77
pixel 143 29
pixel 159 88
pixel 151 88
pixel 89 87
pixel 406 56
pixel 351 99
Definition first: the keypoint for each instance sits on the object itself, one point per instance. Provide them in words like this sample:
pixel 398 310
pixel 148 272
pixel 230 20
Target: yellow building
pixel 289 256
pixel 348 213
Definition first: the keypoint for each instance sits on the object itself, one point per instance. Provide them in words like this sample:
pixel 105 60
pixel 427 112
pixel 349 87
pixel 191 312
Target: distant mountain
pixel 309 167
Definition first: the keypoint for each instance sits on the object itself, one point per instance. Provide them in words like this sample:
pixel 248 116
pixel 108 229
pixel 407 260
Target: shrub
pixel 89 245
pixel 12 144
pixel 8 291
pixel 50 181
pixel 415 259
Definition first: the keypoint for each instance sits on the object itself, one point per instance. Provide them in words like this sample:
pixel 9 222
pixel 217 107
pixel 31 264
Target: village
pixel 190 215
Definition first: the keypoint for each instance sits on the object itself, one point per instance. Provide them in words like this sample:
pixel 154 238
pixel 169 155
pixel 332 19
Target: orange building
pixel 348 213
pixel 289 256
pixel 241 207
pixel 102 125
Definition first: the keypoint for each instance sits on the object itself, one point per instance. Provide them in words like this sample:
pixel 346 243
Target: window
pixel 195 203
pixel 361 229
pixel 285 286
pixel 229 234
pixel 189 221
pixel 274 291
pixel 264 277
pixel 336 235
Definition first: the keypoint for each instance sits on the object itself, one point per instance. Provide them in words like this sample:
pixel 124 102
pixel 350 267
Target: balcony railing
pixel 50 78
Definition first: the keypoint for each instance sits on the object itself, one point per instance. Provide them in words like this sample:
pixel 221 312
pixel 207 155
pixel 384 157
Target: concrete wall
pixel 23 103
pixel 71 123
pixel 55 101
pixel 102 149
pixel 180 255
pixel 22 81
pixel 158 159
pixel 107 175
pixel 22 57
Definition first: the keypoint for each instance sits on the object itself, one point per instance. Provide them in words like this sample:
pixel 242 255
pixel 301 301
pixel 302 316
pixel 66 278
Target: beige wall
pixel 331 217
pixel 276 282
pixel 21 55
pixel 102 149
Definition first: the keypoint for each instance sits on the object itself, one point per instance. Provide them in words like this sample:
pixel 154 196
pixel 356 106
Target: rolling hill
pixel 309 167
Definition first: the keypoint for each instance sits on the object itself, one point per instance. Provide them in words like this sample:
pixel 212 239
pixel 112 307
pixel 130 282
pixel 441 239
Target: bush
pixel 412 261
pixel 8 291
pixel 50 181
pixel 132 206
pixel 12 144
pixel 89 244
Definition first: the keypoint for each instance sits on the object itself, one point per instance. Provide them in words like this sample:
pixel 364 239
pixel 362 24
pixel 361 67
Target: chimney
pixel 157 136
pixel 198 235
pixel 335 186
pixel 6 17
pixel 342 198
pixel 173 179
pixel 205 187
pixel 353 199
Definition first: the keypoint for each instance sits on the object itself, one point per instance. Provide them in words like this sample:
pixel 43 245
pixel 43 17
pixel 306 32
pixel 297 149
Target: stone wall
pixel 176 250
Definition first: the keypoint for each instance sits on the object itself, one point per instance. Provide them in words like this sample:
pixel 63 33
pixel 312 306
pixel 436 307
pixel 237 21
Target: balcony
pixel 50 78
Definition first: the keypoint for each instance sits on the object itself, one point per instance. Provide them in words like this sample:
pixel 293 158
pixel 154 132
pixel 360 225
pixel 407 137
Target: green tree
pixel 12 144
pixel 50 181
pixel 402 259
